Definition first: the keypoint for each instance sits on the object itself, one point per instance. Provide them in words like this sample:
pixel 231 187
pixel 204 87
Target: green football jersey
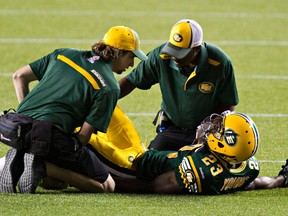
pixel 197 170
pixel 74 86
pixel 188 97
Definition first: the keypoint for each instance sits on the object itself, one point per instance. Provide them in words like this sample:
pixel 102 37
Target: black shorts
pixel 66 153
pixel 172 138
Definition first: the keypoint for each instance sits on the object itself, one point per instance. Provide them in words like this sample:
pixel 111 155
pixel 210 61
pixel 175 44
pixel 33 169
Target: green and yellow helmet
pixel 232 136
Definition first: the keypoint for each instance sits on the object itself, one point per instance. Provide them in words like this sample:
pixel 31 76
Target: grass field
pixel 252 32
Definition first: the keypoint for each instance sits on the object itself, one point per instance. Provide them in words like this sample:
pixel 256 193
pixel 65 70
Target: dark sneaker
pixel 284 172
pixel 34 171
pixel 12 170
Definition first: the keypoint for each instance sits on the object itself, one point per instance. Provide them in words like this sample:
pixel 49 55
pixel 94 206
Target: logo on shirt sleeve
pixel 188 177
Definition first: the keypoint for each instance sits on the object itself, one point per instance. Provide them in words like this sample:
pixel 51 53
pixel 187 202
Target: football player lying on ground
pixel 221 161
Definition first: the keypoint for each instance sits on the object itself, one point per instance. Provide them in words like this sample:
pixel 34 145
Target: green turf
pixel 252 32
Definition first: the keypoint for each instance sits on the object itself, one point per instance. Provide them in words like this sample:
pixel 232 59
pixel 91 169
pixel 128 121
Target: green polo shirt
pixel 188 97
pixel 74 87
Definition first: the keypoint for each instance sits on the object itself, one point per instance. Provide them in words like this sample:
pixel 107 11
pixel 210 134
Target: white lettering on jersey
pixel 231 183
pixel 100 78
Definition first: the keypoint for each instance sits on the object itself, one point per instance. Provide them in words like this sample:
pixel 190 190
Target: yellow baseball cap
pixel 125 38
pixel 184 36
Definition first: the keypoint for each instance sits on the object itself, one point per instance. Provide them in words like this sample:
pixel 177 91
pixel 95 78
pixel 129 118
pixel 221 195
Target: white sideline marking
pixel 272 161
pixel 267 115
pixel 147 42
pixel 275 77
pixel 141 13
pixel 6 74
pixel 46 40
pixel 251 114
pixel 261 77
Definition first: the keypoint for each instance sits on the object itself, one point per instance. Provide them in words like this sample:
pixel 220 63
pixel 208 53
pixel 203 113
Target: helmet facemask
pixel 213 124
pixel 232 136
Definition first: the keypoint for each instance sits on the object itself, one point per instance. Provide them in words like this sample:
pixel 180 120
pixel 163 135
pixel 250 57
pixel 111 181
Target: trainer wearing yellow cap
pixel 124 38
pixel 196 79
pixel 76 89
pixel 185 35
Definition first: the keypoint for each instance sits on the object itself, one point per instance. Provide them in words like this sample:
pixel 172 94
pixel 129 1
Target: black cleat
pixel 12 170
pixel 284 172
pixel 34 171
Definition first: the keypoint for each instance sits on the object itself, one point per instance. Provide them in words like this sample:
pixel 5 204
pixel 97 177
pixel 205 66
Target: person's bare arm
pixel 126 87
pixel 163 184
pixel 265 182
pixel 85 133
pixel 166 183
pixel 79 181
pixel 21 79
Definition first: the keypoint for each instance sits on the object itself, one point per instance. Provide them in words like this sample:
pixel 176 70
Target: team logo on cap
pixel 206 87
pixel 177 37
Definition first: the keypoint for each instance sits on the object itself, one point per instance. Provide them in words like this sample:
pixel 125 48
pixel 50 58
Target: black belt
pixel 168 123
pixel 182 129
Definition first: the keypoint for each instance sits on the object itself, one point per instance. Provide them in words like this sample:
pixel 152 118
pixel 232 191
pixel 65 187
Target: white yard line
pixel 272 161
pixel 250 76
pixel 265 115
pixel 146 42
pixel 139 13
pixel 254 76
